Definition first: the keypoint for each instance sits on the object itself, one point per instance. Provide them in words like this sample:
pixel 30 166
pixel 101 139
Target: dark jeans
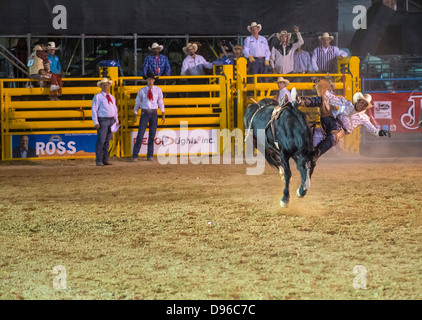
pixel 328 124
pixel 104 135
pixel 151 117
pixel 257 67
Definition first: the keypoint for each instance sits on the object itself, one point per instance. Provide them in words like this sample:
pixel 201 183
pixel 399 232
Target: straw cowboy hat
pixel 289 35
pixel 104 80
pixel 326 35
pixel 367 97
pixel 281 79
pixel 156 45
pixel 52 45
pixel 254 24
pixel 194 45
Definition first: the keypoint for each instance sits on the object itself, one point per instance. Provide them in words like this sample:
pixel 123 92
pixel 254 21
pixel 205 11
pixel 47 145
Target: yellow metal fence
pixel 208 102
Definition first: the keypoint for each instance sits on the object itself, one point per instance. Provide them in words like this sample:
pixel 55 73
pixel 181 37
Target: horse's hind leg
pixel 284 203
pixel 304 167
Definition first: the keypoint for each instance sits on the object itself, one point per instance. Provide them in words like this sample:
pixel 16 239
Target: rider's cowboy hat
pixel 194 45
pixel 367 97
pixel 284 32
pixel 104 80
pixel 281 79
pixel 326 35
pixel 156 45
pixel 254 24
pixel 52 45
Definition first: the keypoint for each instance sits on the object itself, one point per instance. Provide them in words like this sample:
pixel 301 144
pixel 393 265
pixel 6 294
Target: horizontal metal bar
pixel 179 88
pixel 392 91
pixel 50 104
pixel 48 114
pixel 50 124
pixel 391 79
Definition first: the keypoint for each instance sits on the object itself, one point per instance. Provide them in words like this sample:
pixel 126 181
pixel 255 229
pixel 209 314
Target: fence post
pixel 241 67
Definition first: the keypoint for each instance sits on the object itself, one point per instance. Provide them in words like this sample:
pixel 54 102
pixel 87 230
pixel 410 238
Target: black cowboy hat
pixel 150 75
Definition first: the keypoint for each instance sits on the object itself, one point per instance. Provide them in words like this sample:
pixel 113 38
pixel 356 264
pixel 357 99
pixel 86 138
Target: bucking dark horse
pixel 289 137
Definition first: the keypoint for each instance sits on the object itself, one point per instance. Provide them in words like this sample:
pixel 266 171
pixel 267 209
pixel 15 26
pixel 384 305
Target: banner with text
pixel 180 142
pixel 53 145
pixel 397 112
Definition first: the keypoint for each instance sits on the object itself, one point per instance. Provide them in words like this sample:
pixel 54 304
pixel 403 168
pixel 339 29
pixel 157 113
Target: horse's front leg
pixel 304 167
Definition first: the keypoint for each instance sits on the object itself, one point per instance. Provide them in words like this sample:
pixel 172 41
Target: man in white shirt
pixel 281 59
pixel 194 64
pixel 256 50
pixel 282 85
pixel 325 56
pixel 104 115
pixel 148 99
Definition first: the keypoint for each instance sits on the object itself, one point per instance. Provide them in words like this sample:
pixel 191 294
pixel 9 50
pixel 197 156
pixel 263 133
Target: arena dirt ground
pixel 148 231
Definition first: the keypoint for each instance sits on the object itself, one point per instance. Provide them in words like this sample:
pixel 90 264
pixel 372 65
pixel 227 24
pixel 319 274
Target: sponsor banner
pixel 179 142
pixel 396 111
pixel 53 145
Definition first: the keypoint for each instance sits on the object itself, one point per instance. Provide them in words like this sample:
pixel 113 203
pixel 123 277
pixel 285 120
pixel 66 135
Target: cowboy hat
pixel 194 45
pixel 284 32
pixel 254 24
pixel 52 45
pixel 367 97
pixel 104 80
pixel 238 46
pixel 149 75
pixel 326 35
pixel 281 79
pixel 156 45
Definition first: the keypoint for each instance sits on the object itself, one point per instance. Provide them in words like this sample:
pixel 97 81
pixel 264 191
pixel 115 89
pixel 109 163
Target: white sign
pixel 382 110
pixel 180 142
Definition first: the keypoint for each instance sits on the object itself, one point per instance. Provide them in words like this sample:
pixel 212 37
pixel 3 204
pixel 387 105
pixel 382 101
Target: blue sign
pixel 54 145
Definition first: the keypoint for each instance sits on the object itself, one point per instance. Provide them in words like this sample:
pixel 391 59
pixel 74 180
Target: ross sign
pixel 180 142
pixel 396 111
pixel 56 145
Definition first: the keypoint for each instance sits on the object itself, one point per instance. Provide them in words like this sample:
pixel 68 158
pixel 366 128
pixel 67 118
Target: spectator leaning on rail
pixel 324 57
pixel 39 66
pixel 194 64
pixel 104 115
pixel 302 61
pixel 256 50
pixel 282 54
pixel 237 52
pixel 156 63
pixel 148 99
pixel 55 68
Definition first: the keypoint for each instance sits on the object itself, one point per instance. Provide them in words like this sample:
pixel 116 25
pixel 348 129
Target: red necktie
pixel 150 96
pixel 109 99
pixel 157 69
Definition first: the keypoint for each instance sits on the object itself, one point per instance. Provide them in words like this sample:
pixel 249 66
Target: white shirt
pixel 257 48
pixel 337 53
pixel 348 115
pixel 101 108
pixel 284 63
pixel 283 92
pixel 194 66
pixel 143 102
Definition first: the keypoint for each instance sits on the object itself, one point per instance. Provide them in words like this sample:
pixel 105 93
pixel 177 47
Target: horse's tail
pixel 271 155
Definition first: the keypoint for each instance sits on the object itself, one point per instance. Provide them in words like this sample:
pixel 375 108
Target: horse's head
pixel 322 85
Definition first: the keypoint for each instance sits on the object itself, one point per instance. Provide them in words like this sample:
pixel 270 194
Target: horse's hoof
pixel 284 204
pixel 298 194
